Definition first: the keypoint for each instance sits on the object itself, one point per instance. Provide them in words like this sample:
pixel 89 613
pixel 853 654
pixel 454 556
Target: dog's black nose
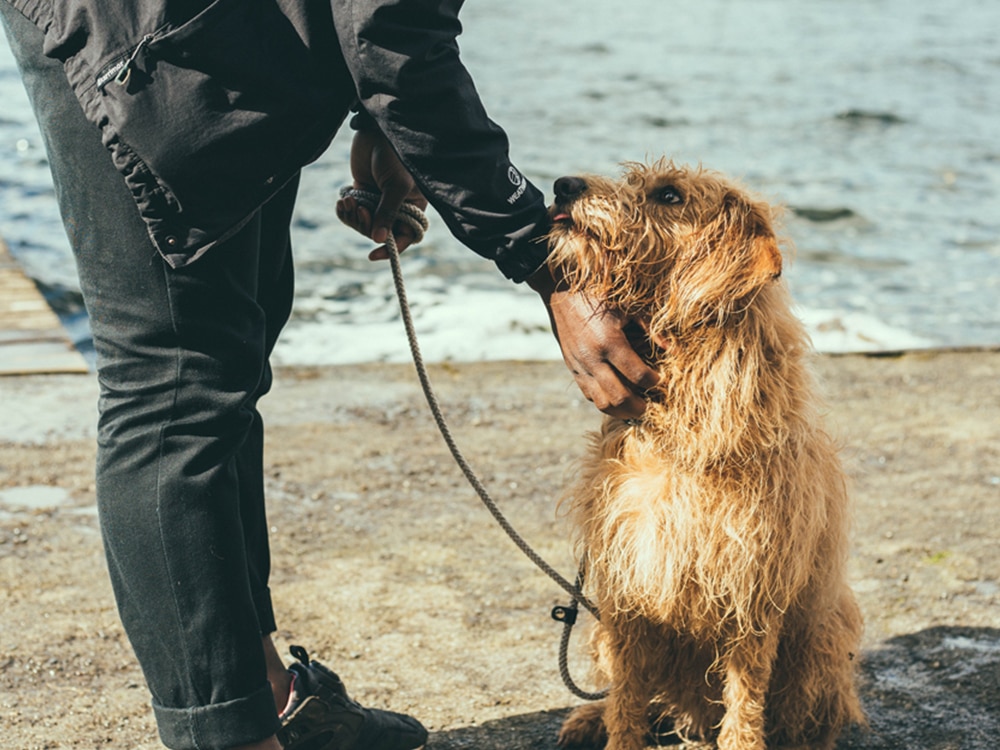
pixel 568 188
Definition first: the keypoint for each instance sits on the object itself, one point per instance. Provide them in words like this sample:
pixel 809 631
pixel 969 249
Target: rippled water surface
pixel 877 123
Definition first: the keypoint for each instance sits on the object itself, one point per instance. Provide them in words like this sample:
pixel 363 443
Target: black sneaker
pixel 321 716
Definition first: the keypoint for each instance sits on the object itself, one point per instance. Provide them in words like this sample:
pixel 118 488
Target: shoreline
pixel 388 570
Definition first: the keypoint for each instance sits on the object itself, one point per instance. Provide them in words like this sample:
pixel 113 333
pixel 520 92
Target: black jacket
pixel 208 108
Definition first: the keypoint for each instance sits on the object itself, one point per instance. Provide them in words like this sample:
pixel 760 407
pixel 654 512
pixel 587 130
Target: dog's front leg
pixel 584 728
pixel 626 715
pixel 747 676
pixel 627 661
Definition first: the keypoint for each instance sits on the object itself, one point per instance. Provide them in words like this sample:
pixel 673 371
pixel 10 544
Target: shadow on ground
pixel 937 689
pixel 522 732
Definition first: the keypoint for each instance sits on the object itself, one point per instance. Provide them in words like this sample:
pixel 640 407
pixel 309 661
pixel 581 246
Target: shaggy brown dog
pixel 715 529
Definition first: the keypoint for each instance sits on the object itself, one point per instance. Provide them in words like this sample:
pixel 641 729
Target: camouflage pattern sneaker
pixel 321 716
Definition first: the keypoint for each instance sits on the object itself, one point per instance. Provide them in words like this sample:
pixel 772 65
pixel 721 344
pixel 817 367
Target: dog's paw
pixel 584 728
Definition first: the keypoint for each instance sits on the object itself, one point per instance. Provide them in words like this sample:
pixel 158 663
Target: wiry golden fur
pixel 715 529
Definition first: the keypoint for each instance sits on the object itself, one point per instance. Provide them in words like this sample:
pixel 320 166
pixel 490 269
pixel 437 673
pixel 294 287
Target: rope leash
pixel 567 616
pixel 414 218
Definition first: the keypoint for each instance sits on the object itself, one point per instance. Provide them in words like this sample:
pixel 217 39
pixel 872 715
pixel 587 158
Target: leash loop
pixel 413 217
pixel 567 615
pixel 408 214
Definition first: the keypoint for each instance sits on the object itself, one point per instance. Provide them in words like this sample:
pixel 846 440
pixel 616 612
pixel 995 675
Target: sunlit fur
pixel 715 531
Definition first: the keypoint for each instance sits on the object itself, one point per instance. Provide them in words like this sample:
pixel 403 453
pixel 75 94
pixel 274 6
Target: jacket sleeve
pixel 404 58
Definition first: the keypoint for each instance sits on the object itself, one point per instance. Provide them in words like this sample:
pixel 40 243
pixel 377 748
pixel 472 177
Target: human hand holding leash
pixel 596 348
pixel 376 168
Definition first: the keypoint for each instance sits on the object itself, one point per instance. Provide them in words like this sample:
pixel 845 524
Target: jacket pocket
pixel 225 108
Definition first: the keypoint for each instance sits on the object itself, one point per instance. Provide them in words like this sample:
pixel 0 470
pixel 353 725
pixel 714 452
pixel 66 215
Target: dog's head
pixel 671 246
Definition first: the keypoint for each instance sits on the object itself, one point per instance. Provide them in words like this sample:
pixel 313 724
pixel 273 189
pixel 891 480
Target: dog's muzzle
pixel 567 190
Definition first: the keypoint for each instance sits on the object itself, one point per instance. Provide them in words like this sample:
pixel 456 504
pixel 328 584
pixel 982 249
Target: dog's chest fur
pixel 700 541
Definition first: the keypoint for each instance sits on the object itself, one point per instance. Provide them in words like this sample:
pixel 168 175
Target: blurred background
pixel 876 123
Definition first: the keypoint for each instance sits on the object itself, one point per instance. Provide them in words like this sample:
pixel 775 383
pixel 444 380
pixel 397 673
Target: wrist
pixel 542 281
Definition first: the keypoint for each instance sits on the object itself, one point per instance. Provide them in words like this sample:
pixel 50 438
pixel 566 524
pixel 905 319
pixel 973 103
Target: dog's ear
pixel 748 231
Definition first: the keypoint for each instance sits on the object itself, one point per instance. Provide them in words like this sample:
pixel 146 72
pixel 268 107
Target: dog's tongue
pixel 561 217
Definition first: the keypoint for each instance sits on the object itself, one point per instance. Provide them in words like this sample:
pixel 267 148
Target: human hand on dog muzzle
pixel 596 348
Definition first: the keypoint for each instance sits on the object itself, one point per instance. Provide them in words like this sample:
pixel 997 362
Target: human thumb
pixel 392 198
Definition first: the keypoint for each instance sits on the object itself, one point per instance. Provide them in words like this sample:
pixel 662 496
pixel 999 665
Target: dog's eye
pixel 669 196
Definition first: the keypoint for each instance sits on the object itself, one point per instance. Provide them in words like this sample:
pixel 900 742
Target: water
pixel 876 122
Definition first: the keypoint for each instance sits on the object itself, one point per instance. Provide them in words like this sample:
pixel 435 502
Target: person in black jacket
pixel 176 130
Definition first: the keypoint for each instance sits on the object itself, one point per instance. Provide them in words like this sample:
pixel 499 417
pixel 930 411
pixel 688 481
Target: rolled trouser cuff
pixel 219 725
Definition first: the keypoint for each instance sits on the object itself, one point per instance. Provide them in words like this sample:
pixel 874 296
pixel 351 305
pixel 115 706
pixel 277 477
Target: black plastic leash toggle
pixel 564 614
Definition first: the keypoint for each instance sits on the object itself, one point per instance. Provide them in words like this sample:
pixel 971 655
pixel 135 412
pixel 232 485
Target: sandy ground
pixel 390 571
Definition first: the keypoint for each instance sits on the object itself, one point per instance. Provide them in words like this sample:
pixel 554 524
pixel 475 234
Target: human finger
pixel 354 215
pixel 394 193
pixel 607 389
pixel 382 251
pixel 404 236
pixel 622 356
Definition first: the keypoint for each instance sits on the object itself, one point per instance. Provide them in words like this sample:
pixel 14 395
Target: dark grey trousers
pixel 182 358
